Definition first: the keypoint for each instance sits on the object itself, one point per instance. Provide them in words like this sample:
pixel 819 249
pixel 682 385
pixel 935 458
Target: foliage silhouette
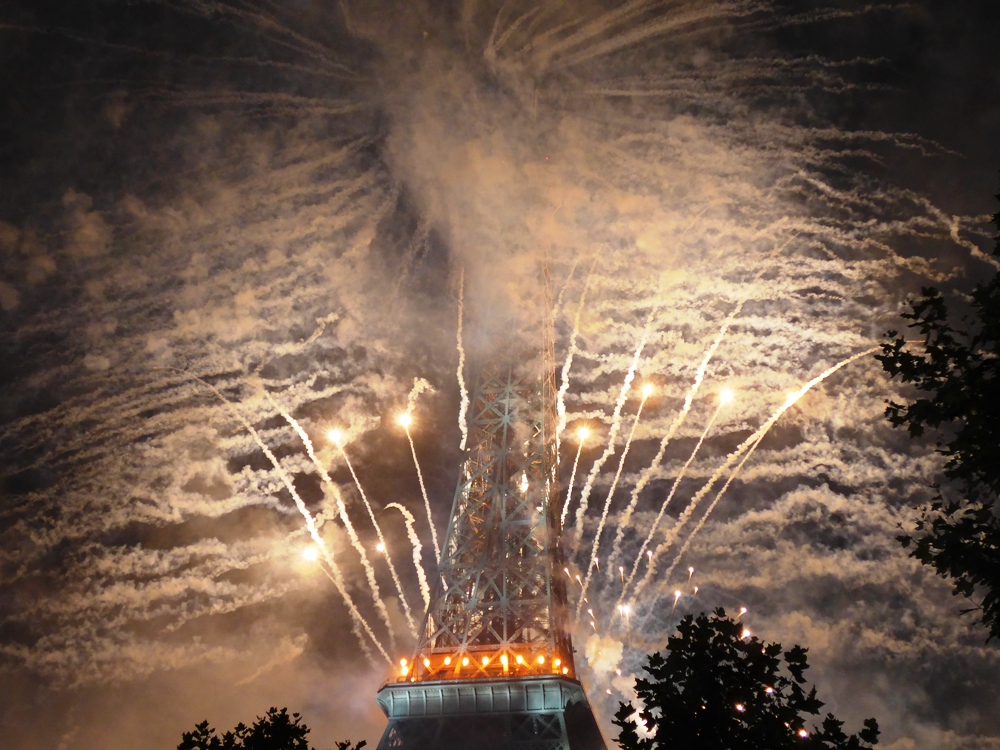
pixel 276 730
pixel 957 374
pixel 717 688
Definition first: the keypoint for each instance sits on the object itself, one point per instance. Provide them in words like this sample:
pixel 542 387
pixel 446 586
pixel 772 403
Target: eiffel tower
pixel 493 668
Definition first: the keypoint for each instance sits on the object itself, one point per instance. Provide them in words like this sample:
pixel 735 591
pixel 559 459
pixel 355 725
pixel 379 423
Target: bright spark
pixel 335 436
pixel 725 396
pixel 404 420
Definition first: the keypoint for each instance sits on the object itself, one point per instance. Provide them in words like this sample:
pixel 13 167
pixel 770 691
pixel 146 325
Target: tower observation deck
pixel 493 668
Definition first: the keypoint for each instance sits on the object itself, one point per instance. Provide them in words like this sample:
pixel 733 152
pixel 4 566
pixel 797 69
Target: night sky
pixel 215 213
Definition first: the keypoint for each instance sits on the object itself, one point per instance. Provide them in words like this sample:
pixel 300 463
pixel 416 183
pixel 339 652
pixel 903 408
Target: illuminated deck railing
pixel 482 664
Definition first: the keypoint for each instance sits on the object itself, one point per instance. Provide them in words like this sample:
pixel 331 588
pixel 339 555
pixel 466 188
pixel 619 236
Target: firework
pixel 337 438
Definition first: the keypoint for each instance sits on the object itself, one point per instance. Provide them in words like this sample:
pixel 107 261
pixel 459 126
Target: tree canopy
pixel 276 730
pixel 715 687
pixel 956 372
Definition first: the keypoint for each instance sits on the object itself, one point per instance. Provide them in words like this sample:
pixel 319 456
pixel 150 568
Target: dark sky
pixel 281 199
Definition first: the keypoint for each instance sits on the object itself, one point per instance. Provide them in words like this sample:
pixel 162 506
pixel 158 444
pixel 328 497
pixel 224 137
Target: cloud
pixel 89 234
pixel 10 298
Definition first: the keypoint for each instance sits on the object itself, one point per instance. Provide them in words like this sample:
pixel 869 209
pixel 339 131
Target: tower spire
pixel 493 666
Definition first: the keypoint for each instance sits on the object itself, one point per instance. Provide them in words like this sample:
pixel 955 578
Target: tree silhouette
pixel 957 371
pixel 717 688
pixel 276 730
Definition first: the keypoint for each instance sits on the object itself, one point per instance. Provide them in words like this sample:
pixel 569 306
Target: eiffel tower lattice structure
pixel 493 668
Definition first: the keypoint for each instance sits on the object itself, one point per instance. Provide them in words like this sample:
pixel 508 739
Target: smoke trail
pixel 357 620
pixel 464 406
pixel 697 528
pixel 749 443
pixel 569 489
pixel 573 349
pixel 425 590
pixel 283 349
pixel 342 512
pixel 557 308
pixel 674 426
pixel 419 386
pixel 607 505
pixel 381 538
pixel 616 420
pixel 427 503
pixel 663 507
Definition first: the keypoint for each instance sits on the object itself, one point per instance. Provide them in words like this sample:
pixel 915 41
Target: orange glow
pixel 404 420
pixel 493 664
pixel 335 436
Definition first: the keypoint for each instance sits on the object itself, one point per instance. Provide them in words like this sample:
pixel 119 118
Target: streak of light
pixel 583 433
pixel 383 546
pixel 405 420
pixel 647 390
pixel 411 532
pixel 647 475
pixel 616 420
pixel 358 622
pixel 460 372
pixel 748 445
pixel 352 534
pixel 663 507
